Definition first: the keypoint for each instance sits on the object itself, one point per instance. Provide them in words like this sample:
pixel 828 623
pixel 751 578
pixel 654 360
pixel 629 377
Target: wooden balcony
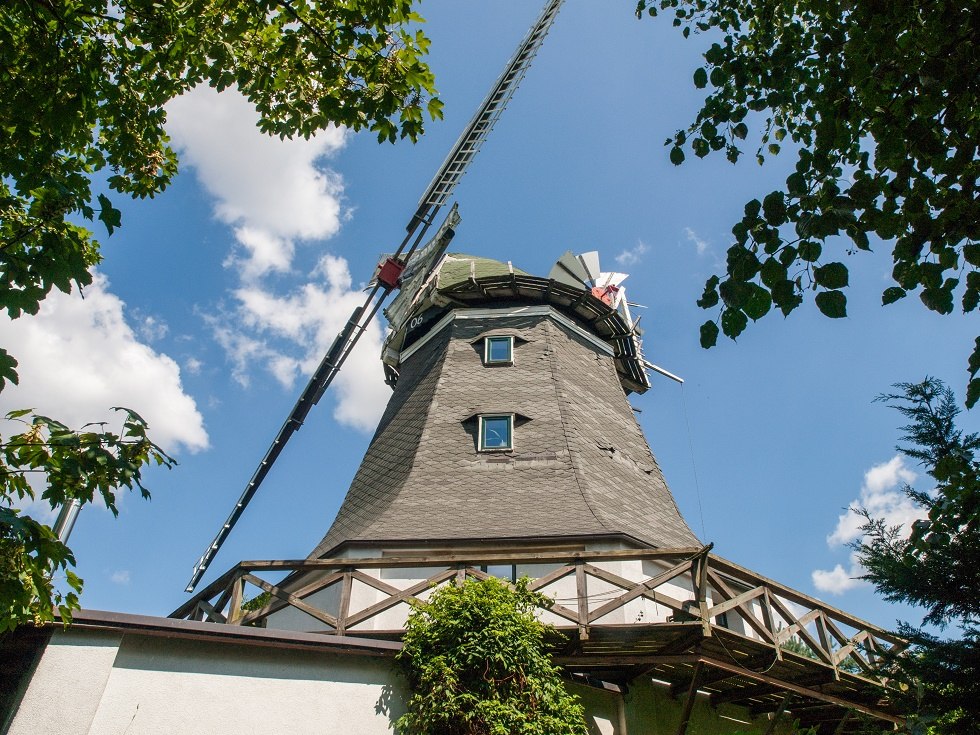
pixel 696 622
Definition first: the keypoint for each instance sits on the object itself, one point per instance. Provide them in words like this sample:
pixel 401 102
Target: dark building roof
pixel 580 466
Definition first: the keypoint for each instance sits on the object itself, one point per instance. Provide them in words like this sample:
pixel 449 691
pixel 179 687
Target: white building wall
pixel 95 683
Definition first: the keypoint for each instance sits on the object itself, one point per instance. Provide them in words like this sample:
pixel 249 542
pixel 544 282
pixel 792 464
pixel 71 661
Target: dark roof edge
pixel 491 540
pixel 220 633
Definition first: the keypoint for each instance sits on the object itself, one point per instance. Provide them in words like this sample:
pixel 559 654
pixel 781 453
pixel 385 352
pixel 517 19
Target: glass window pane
pixel 496 432
pixel 499 349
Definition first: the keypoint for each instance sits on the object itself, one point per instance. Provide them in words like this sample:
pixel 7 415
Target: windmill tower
pixel 509 448
pixel 509 425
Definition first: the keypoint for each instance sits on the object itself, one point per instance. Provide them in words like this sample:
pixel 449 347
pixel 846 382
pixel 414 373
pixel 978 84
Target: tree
pixel 935 567
pixel 83 89
pixel 879 100
pixel 76 465
pixel 476 662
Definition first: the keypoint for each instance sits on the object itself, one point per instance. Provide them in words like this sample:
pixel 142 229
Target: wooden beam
pixel 802 690
pixel 624 583
pixel 582 594
pixel 737 602
pixel 292 600
pixel 692 693
pixel 401 596
pixel 639 589
pixel 237 592
pixel 344 610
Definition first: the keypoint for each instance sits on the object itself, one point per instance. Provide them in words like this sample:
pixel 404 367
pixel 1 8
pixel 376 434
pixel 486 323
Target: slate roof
pixel 580 466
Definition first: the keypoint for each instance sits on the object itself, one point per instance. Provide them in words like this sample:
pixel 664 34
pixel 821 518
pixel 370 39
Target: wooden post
pixel 692 693
pixel 701 580
pixel 344 609
pixel 235 602
pixel 582 593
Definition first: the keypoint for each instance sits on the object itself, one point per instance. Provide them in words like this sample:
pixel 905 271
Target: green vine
pixel 476 660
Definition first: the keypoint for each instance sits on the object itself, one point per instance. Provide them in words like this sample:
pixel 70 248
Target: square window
pixel 498 350
pixel 496 432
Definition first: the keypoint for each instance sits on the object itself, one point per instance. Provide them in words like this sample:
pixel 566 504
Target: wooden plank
pixel 346 585
pixel 804 691
pixel 799 628
pixel 638 589
pixel 292 600
pixel 217 586
pixel 701 578
pixel 213 615
pixel 692 693
pixel 374 582
pixel 590 661
pixel 582 603
pixel 235 600
pixel 737 602
pixel 474 558
pixel 658 597
pixel 402 596
pixel 559 573
pixel 752 579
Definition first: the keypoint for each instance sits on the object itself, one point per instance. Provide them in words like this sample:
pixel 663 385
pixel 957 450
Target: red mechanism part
pixel 390 272
pixel 606 295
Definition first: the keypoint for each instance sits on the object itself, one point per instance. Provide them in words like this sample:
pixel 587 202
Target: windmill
pixel 408 266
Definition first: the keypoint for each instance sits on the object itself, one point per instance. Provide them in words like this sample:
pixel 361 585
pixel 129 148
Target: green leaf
pixel 8 373
pixel 709 334
pixel 832 275
pixel 971 253
pixel 733 322
pixel 891 295
pixel 677 155
pixel 709 298
pixel 110 216
pixel 832 304
pixel 758 304
pixel 700 78
pixel 809 251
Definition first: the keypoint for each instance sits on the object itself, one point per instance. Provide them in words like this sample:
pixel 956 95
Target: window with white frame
pixel 496 432
pixel 498 350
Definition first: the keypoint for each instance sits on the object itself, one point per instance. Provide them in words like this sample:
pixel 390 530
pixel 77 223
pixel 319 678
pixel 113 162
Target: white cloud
pixel 78 357
pixel 120 576
pixel 838 580
pixel 700 244
pixel 310 318
pixel 150 328
pixel 271 190
pixel 883 496
pixel 632 256
pixel 274 193
pixel 193 366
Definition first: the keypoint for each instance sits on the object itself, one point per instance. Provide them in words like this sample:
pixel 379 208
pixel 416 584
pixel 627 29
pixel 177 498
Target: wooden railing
pixel 687 585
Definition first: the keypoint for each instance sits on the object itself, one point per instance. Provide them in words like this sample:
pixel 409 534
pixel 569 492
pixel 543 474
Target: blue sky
pixel 216 299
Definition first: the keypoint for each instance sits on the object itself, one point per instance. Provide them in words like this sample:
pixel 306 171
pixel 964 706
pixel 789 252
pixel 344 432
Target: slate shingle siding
pixel 580 464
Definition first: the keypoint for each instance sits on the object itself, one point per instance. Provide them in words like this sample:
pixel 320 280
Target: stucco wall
pixel 113 683
pixel 89 684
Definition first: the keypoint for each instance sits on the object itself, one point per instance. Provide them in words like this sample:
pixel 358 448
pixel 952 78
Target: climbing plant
pixel 476 660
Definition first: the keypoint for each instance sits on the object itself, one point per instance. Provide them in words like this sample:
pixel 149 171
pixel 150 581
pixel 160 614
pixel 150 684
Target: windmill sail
pixel 393 268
